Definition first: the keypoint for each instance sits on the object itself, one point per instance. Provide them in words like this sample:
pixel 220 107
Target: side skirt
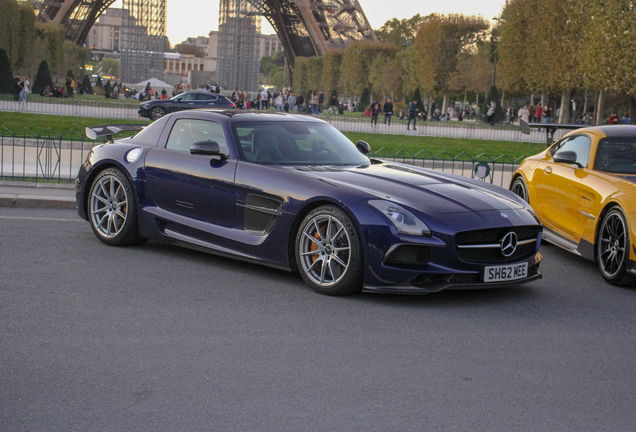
pixel 584 248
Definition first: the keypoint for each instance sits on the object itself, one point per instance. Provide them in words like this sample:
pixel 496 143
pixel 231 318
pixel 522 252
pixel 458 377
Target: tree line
pixel 553 51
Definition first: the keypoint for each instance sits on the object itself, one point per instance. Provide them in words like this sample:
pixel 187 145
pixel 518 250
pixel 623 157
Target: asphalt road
pixel 160 338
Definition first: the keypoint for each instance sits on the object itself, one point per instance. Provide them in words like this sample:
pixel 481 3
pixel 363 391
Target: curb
pixel 37 201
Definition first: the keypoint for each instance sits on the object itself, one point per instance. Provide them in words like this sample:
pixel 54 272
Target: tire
pixel 112 209
pixel 519 188
pixel 328 252
pixel 612 248
pixel 157 113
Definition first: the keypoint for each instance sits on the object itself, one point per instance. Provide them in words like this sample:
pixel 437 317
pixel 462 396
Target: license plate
pixel 505 272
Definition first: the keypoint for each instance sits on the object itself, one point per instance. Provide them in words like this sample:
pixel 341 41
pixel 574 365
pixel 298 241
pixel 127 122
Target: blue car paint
pixel 446 203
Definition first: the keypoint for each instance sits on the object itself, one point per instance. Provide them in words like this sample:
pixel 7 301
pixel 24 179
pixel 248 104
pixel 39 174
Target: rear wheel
pixel 113 211
pixel 157 112
pixel 612 248
pixel 328 252
pixel 519 188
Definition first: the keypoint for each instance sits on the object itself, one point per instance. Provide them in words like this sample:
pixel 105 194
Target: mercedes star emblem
pixel 509 244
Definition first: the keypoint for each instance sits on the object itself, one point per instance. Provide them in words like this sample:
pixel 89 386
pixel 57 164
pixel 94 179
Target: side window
pixel 580 144
pixel 186 132
pixel 205 97
pixel 188 97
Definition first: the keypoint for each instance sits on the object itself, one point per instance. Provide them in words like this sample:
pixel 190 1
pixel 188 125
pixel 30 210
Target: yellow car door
pixel 558 184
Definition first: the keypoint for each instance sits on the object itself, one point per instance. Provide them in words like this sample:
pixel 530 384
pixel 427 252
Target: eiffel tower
pixel 305 27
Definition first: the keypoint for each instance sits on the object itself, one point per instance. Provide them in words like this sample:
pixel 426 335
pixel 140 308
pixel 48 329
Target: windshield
pixel 616 155
pixel 294 143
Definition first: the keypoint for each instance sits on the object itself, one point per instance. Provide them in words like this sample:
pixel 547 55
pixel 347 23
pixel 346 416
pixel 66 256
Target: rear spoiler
pixel 550 128
pixel 94 132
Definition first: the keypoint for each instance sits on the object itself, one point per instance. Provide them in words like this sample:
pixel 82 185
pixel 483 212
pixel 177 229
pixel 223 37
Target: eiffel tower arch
pixel 306 28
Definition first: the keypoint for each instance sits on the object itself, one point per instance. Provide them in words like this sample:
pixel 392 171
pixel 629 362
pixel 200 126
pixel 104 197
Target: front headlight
pixel 405 221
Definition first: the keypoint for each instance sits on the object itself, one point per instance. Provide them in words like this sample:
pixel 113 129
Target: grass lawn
pixel 73 127
pixel 76 99
pixel 449 147
pixel 45 125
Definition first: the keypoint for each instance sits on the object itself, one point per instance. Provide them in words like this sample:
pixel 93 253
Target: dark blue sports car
pixel 155 109
pixel 293 193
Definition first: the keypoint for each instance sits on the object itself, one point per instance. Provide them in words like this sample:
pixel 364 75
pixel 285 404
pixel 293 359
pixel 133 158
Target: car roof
pixel 243 116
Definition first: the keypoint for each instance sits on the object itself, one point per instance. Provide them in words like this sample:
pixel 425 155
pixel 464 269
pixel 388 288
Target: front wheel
pixel 157 113
pixel 328 252
pixel 520 189
pixel 612 248
pixel 113 211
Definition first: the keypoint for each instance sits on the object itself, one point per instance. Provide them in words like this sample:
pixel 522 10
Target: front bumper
pixel 427 283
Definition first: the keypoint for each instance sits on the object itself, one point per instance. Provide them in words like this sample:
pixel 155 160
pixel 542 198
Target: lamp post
pixel 11 24
pixel 406 66
pixel 494 41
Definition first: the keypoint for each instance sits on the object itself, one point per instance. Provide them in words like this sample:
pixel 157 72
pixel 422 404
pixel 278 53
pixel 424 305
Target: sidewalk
pixel 37 195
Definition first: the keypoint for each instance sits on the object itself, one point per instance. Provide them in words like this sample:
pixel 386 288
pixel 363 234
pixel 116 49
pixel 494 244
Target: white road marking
pixel 43 219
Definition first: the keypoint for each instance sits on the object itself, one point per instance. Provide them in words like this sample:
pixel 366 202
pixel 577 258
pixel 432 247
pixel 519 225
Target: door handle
pixel 548 170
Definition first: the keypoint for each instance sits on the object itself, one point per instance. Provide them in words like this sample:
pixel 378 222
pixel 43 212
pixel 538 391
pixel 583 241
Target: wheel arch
pixel 99 169
pixel 304 211
pixel 608 206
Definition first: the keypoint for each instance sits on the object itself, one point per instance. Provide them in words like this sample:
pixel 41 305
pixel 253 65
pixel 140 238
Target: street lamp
pixel 11 23
pixel 406 66
pixel 494 41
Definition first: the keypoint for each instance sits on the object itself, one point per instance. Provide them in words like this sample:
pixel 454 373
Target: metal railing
pixel 496 170
pixel 46 156
pixel 72 107
pixel 49 157
pixel 444 129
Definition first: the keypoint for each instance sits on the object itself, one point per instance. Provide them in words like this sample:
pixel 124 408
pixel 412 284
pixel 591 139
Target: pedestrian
pixel 321 101
pixel 626 119
pixel 613 119
pixel 26 88
pixel 387 109
pixel 163 94
pixel 538 114
pixel 279 103
pixel 547 114
pixel 375 110
pixel 524 114
pixel 17 87
pixel 300 101
pixel 291 102
pixel 314 102
pixel 412 115
pixel 490 115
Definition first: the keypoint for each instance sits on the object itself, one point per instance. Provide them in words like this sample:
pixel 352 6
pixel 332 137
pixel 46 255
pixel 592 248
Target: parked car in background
pixel 155 109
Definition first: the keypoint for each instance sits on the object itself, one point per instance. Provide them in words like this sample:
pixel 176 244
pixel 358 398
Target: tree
pixel 98 82
pixel 385 77
pixel 493 96
pixel 417 97
pixel 608 48
pixel 356 64
pixel 400 32
pixel 331 67
pixel 6 77
pixel 438 46
pixel 110 67
pixel 86 82
pixel 69 73
pixel 42 78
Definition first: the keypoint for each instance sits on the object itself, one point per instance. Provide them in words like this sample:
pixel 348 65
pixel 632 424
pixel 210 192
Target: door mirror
pixel 566 157
pixel 210 148
pixel 364 147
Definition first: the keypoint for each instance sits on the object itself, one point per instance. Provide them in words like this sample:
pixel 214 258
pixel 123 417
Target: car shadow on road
pixel 284 279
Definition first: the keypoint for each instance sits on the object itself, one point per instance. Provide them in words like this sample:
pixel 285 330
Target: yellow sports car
pixel 583 189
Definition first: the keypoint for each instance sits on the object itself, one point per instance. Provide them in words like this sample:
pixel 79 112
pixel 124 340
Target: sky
pixel 191 18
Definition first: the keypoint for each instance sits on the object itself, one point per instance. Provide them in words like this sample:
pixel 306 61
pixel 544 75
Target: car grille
pixel 493 236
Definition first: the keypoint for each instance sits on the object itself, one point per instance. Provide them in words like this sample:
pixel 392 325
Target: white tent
pixel 156 84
